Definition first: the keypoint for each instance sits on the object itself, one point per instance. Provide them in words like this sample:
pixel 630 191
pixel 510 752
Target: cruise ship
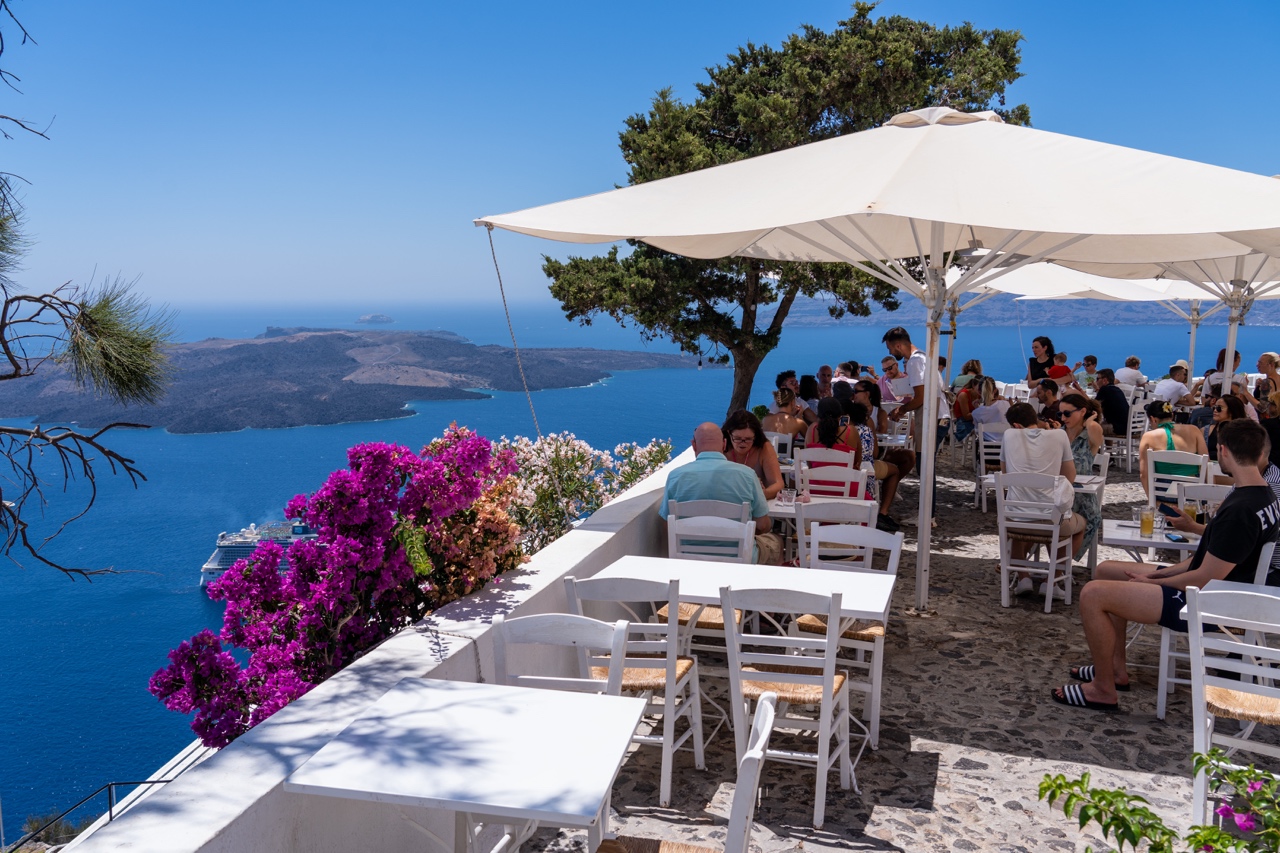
pixel 239 546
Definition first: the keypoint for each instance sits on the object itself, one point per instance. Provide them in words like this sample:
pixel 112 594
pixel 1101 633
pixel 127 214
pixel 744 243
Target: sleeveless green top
pixel 1179 469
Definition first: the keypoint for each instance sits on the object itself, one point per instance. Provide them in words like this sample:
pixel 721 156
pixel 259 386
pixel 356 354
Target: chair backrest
pixel 1017 392
pixel 742 813
pixel 781 442
pixel 586 637
pixel 850 547
pixel 1249 620
pixel 902 426
pixel 1102 464
pixel 651 643
pixel 708 537
pixel 987 453
pixel 1195 493
pixel 1164 485
pixel 830 458
pixel 1024 502
pixel 776 652
pixel 1137 422
pixel 832 482
pixel 1265 558
pixel 720 509
pixel 829 512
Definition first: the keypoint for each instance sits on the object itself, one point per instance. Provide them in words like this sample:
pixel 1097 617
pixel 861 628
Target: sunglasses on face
pixel 1219 408
pixel 1066 413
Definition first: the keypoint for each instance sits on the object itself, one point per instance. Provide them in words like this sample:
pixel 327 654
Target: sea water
pixel 75 656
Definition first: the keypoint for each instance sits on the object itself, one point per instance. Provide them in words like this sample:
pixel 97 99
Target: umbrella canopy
pixel 934 184
pixel 864 196
pixel 1050 281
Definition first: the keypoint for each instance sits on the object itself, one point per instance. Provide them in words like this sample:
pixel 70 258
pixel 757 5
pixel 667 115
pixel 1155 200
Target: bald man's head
pixel 708 437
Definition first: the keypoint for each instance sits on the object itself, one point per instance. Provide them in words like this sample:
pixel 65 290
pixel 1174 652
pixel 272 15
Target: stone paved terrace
pixel 967 730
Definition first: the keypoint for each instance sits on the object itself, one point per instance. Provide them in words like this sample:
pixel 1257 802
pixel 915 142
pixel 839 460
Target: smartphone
pixel 1176 537
pixel 1169 510
pixel 844 420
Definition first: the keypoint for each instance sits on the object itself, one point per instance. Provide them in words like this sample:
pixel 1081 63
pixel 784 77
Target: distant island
pixel 290 377
pixel 380 319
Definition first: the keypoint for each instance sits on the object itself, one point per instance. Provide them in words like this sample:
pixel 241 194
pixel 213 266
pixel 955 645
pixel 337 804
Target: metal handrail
pixel 110 788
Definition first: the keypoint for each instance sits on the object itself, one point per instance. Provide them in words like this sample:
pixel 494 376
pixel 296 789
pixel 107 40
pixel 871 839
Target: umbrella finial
pixel 941 115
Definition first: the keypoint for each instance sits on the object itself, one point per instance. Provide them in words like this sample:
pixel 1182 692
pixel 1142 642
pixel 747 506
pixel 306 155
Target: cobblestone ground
pixel 967 731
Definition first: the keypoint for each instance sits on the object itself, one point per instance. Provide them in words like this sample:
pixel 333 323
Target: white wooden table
pixel 1125 535
pixel 777 509
pixel 865 595
pixel 483 751
pixel 891 442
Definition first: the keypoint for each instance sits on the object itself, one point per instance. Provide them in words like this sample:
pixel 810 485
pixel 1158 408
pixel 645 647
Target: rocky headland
pixel 294 377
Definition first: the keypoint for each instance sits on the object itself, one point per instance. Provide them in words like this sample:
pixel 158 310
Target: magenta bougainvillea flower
pixel 398 534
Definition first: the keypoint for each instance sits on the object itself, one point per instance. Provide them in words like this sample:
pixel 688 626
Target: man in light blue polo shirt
pixel 712 477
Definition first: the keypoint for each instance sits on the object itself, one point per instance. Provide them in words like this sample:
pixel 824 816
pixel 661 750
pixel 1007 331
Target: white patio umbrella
pixel 1238 281
pixel 937 185
pixel 1051 281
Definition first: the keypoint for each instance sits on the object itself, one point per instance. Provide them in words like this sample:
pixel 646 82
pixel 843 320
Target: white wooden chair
pixel 762 663
pixel 1201 493
pixel 684 518
pixel 654 667
pixel 1164 486
pixel 986 463
pixel 1127 445
pixel 1172 650
pixel 830 512
pixel 1035 521
pixel 597 672
pixel 1250 623
pixel 781 442
pixel 707 537
pixel 832 482
pixel 853 548
pixel 742 812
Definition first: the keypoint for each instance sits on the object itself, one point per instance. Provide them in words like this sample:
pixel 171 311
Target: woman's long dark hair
pixel 1045 342
pixel 829 412
pixel 872 389
pixel 743 418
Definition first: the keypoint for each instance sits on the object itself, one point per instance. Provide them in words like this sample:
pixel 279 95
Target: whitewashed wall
pixel 235 801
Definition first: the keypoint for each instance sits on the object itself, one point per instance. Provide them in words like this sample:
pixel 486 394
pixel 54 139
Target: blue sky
pixel 326 152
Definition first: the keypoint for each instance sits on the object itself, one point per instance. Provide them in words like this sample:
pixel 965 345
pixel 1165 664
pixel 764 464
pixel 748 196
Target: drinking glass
pixel 787 497
pixel 1147 521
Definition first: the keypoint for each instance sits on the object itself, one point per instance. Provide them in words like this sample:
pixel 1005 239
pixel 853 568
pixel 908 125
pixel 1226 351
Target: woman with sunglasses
pixel 1227 408
pixel 1083 425
pixel 747 445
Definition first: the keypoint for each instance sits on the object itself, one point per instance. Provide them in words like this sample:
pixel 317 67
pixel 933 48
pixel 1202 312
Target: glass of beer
pixel 1147 521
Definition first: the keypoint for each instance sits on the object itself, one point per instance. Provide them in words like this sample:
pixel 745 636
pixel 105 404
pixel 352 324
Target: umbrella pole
pixel 1191 356
pixel 1238 304
pixel 935 292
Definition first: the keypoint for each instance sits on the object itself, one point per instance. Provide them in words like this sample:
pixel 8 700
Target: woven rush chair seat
pixel 640 678
pixel 1030 536
pixel 860 630
pixel 1242 706
pixel 631 844
pixel 711 618
pixel 795 694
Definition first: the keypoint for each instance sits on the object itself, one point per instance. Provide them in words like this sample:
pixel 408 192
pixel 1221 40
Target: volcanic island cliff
pixel 297 376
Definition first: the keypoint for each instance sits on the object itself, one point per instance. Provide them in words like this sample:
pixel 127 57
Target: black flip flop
pixel 1085 675
pixel 1073 697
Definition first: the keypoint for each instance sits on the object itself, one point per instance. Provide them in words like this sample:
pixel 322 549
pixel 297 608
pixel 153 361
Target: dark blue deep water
pixel 75 657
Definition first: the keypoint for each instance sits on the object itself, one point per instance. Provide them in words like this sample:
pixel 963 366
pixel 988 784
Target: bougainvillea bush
pixel 398 534
pixel 1249 815
pixel 563 479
